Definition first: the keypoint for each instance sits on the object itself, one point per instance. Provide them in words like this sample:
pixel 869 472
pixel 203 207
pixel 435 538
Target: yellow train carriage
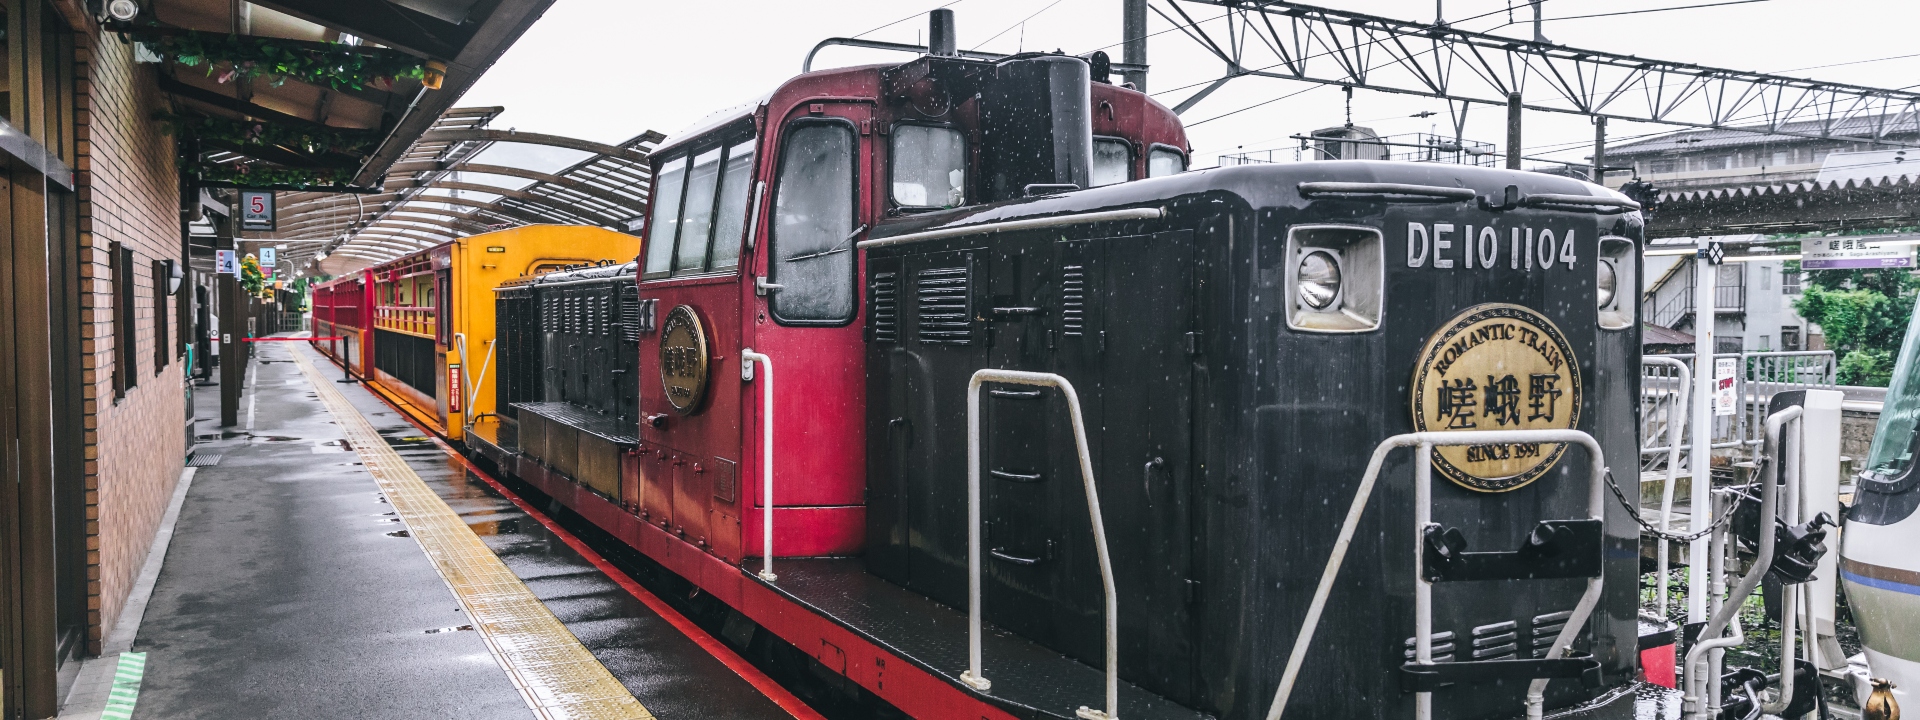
pixel 429 318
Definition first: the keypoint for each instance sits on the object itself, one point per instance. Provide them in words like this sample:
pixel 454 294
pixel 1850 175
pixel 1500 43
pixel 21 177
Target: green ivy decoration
pixel 335 65
pixel 258 134
pixel 256 174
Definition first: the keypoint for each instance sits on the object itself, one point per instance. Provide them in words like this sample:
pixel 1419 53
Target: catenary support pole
pixel 1513 131
pixel 1133 31
pixel 1599 174
pixel 1700 459
pixel 233 351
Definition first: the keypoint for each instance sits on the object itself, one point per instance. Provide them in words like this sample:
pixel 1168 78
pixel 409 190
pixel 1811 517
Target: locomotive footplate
pixel 1029 680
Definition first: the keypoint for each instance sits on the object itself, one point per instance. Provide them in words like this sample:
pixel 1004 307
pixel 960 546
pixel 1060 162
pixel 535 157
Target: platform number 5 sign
pixel 256 210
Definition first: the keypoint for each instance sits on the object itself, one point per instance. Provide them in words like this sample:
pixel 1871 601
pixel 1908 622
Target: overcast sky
pixel 610 69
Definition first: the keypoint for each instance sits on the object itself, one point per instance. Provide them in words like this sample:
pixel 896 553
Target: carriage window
pixel 1112 162
pixel 929 166
pixel 666 217
pixel 812 241
pixel 734 199
pixel 696 220
pixel 1165 161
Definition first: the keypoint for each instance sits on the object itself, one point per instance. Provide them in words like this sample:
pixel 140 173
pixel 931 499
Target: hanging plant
pixel 255 174
pixel 260 134
pixel 251 278
pixel 335 65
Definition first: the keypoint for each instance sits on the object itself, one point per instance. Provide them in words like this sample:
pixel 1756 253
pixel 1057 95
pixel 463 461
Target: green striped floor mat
pixel 126 687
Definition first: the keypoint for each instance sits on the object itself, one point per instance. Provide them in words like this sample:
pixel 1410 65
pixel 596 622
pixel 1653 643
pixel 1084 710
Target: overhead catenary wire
pixel 1022 22
pixel 1651 10
pixel 904 19
pixel 1412 30
pixel 1558 147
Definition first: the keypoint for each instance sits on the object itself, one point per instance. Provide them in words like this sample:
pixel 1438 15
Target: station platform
pixel 331 560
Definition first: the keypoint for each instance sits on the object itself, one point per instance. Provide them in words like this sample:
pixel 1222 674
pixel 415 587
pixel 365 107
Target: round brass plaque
pixel 1496 367
pixel 683 359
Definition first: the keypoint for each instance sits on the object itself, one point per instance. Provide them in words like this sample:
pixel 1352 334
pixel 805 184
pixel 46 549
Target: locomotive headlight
pixel 1336 279
pixel 1616 284
pixel 1318 279
pixel 1603 286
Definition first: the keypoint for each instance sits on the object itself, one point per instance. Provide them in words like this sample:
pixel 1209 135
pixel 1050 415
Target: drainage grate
pixel 204 459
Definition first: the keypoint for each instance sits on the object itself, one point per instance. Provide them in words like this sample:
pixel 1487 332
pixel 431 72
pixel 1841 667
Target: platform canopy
pixel 305 94
pixel 464 177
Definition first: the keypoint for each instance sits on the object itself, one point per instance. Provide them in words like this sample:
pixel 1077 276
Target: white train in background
pixel 1880 546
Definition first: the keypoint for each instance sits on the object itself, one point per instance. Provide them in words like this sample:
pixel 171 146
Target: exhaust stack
pixel 941 39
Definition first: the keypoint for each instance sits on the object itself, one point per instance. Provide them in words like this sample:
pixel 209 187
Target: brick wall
pixel 129 194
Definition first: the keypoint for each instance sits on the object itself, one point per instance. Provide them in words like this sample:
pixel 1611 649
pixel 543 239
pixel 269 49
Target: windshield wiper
pixel 842 247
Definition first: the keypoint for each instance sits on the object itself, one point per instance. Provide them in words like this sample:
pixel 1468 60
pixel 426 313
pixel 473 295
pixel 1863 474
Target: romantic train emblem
pixel 683 359
pixel 1496 367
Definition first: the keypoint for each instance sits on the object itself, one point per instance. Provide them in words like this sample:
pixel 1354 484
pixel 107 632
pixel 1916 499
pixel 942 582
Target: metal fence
pixel 1758 377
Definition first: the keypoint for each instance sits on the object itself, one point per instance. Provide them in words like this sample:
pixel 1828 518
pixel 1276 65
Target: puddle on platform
pixel 447 629
pixel 399 533
pixel 272 438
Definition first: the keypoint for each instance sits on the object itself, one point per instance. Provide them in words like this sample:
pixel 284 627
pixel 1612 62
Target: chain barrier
pixel 1658 533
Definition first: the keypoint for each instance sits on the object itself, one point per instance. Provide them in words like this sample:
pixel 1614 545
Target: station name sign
pixel 1447 246
pixel 1853 253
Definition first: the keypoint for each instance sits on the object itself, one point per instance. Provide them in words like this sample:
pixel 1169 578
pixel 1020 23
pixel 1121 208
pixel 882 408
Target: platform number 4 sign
pixel 256 210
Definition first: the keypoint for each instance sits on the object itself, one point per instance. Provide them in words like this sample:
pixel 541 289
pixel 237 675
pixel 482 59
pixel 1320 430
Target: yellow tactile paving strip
pixel 554 673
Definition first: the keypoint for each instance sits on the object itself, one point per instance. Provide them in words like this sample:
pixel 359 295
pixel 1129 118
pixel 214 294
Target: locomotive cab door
pixel 805 313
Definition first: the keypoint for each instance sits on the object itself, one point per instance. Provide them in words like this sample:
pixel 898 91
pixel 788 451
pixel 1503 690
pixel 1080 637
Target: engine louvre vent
pixel 946 313
pixel 636 317
pixel 1499 641
pixel 1073 300
pixel 884 318
pixel 1442 647
pixel 1546 628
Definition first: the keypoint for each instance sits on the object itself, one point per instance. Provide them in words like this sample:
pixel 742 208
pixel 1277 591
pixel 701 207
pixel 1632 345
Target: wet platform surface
pixel 292 590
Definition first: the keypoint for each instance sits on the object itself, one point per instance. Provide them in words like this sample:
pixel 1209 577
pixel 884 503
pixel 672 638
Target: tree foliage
pixel 1864 314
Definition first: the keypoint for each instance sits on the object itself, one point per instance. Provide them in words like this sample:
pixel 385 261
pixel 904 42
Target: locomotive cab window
pixel 929 167
pixel 730 222
pixel 812 234
pixel 666 217
pixel 1112 162
pixel 1163 161
pixel 697 225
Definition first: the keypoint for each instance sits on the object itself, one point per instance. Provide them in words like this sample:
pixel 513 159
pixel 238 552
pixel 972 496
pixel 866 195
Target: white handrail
pixel 473 395
pixel 1702 691
pixel 747 358
pixel 1423 644
pixel 1674 436
pixel 974 676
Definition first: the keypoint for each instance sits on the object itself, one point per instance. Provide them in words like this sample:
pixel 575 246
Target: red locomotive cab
pixel 751 246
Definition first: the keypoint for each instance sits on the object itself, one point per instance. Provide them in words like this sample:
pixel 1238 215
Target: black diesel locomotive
pixel 1236 362
pixel 1240 340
